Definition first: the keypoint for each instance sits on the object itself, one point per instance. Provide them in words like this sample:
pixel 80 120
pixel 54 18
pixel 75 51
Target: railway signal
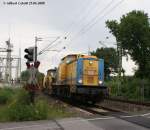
pixel 32 84
pixel 30 54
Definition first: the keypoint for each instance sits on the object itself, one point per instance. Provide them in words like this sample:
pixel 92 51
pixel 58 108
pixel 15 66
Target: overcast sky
pixel 82 20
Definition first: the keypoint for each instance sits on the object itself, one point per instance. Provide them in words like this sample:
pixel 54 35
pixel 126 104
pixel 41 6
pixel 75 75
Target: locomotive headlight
pixel 100 82
pixel 80 81
pixel 91 62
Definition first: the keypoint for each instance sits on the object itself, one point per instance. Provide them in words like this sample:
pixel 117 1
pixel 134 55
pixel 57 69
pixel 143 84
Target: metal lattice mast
pixel 1 68
pixel 18 66
pixel 8 70
pixel 17 69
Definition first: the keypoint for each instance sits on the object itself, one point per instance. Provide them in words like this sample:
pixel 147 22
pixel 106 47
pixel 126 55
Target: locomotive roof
pixel 81 55
pixel 69 56
pixel 88 56
pixel 50 70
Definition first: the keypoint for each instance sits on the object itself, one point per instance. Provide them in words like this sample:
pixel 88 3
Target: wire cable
pixel 95 17
pixel 98 19
pixel 78 13
pixel 109 11
pixel 48 46
pixel 81 19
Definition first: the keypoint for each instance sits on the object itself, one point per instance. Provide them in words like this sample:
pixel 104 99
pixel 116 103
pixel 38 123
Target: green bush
pixel 130 88
pixel 22 97
pixel 20 109
pixel 5 95
pixel 24 112
pixel 20 112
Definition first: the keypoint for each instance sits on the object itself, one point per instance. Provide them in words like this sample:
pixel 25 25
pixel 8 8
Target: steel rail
pixel 128 101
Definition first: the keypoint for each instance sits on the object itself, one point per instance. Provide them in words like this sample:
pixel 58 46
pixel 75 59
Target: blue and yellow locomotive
pixel 80 76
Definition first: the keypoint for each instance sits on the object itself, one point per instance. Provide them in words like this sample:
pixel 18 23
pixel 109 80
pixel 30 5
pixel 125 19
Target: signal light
pixel 30 54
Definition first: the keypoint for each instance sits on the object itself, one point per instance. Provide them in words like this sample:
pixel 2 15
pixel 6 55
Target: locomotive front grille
pixel 90 72
pixel 90 80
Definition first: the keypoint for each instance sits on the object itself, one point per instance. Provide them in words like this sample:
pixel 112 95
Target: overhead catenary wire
pixel 48 46
pixel 95 22
pixel 95 17
pixel 109 11
pixel 82 18
pixel 104 9
pixel 67 33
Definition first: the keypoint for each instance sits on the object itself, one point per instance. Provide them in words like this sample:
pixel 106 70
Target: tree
pixel 25 77
pixel 110 59
pixel 133 34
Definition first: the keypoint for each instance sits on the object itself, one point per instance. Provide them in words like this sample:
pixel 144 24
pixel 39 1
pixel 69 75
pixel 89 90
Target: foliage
pixel 24 112
pixel 110 59
pixel 40 78
pixel 3 113
pixel 41 109
pixel 133 35
pixel 25 75
pixel 5 95
pixel 20 112
pixel 130 88
pixel 21 97
pixel 19 108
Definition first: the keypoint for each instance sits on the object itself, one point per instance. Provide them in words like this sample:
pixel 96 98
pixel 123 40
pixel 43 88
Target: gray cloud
pixel 57 17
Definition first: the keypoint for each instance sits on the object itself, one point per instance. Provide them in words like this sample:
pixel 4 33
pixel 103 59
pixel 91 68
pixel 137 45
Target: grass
pixel 6 95
pixel 55 112
pixel 3 113
pixel 15 106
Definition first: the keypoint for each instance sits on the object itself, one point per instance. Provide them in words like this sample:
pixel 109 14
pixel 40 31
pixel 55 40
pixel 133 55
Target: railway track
pixel 115 113
pixel 142 103
pixel 98 111
pixel 93 109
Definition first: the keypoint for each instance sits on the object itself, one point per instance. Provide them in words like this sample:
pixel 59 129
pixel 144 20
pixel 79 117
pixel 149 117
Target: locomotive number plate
pixel 90 72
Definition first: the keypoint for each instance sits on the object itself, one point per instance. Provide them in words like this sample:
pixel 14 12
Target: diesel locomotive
pixel 80 76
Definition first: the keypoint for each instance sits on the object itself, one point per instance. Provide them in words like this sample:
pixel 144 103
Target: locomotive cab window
pixel 68 60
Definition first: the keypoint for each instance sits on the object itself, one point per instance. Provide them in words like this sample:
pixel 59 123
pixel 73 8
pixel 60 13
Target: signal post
pixel 32 69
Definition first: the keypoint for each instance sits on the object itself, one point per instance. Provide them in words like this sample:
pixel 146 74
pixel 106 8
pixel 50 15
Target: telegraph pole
pixel 35 51
pixel 20 61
